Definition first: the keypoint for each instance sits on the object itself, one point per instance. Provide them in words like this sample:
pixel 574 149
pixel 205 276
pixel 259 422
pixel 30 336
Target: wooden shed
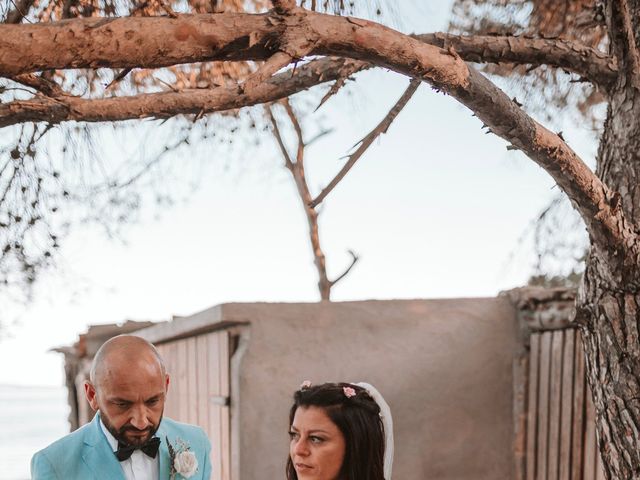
pixel 555 429
pixel 480 388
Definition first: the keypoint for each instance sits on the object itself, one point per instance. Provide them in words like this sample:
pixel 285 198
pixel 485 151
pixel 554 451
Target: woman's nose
pixel 300 448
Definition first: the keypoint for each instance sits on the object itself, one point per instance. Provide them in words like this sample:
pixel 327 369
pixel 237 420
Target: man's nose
pixel 139 418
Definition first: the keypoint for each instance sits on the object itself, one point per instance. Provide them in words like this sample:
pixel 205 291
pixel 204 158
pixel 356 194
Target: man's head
pixel 128 384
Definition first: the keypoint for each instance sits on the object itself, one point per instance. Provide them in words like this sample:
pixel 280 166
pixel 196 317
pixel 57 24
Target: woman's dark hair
pixel 358 418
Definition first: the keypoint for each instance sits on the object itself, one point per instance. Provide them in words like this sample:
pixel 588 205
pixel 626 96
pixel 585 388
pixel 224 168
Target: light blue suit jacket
pixel 85 454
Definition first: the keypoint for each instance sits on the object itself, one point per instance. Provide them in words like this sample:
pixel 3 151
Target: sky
pixel 436 208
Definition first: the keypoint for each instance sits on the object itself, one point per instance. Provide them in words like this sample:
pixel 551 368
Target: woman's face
pixel 317 445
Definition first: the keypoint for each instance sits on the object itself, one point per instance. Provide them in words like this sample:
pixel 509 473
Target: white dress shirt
pixel 139 466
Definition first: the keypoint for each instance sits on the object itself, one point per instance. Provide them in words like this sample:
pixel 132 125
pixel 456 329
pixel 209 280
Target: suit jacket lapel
pixel 97 453
pixel 163 452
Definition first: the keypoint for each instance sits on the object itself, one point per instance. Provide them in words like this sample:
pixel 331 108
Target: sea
pixel 30 419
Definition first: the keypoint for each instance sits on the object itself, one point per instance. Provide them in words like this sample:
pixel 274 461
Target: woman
pixel 338 432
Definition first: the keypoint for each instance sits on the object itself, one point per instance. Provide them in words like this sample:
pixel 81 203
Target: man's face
pixel 130 398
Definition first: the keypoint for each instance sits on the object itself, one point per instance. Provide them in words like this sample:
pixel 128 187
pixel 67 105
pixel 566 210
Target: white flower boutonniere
pixel 183 460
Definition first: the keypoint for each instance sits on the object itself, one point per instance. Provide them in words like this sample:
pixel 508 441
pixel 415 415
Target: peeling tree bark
pixel 609 298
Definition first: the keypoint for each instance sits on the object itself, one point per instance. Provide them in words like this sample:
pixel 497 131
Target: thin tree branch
pixel 14 176
pixel 267 69
pixel 20 11
pixel 276 133
pixel 132 179
pixel 297 128
pixel 298 173
pixel 335 88
pixel 118 78
pixel 366 142
pixel 169 104
pixel 354 260
pixel 318 136
pixel 624 41
pixel 577 58
pixel 41 84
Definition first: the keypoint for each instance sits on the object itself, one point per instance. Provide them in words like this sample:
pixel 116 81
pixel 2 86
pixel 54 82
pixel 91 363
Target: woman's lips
pixel 303 466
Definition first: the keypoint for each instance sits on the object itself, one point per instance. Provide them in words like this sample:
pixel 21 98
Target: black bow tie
pixel 150 448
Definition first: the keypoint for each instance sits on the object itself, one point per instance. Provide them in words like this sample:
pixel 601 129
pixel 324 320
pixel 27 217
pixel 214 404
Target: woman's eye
pixel 293 435
pixel 316 439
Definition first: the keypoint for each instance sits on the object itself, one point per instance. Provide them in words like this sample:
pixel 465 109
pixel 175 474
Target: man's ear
pixel 166 385
pixel 90 393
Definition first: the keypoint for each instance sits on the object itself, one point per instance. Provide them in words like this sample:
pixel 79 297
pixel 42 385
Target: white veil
pixel 387 422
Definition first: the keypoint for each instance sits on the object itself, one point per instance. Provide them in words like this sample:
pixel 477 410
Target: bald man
pixel 128 438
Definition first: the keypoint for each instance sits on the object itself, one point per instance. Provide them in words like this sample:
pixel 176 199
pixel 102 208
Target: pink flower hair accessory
pixel 305 384
pixel 349 392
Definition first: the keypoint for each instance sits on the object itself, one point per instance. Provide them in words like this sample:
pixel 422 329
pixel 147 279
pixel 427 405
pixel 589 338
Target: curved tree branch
pixel 156 42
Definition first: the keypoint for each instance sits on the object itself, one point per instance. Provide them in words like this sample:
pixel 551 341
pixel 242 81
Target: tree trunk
pixel 612 349
pixel 609 300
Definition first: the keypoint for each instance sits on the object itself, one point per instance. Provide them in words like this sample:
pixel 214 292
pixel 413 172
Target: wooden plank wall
pixel 560 436
pixel 199 370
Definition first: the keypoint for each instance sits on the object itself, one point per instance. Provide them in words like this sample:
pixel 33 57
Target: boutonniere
pixel 183 461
